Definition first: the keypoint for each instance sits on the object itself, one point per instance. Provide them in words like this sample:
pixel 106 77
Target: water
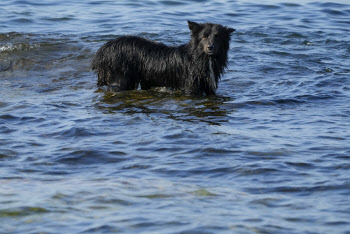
pixel 269 154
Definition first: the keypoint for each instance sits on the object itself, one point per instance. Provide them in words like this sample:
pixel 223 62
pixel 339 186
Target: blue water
pixel 269 154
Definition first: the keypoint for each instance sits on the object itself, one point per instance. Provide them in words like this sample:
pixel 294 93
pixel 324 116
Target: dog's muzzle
pixel 210 49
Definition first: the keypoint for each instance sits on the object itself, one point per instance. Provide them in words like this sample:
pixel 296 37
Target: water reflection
pixel 172 104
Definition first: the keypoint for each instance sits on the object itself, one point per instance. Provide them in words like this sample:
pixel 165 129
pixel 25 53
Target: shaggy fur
pixel 195 67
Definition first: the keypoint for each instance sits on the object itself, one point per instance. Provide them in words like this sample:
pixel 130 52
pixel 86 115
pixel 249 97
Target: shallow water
pixel 269 154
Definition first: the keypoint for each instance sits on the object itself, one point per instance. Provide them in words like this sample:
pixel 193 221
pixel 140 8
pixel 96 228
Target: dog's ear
pixel 230 30
pixel 194 27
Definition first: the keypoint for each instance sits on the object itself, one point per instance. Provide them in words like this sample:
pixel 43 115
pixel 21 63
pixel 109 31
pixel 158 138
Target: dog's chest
pixel 211 81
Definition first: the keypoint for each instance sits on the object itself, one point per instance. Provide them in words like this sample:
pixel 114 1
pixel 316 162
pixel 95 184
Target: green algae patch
pixel 23 211
pixel 203 193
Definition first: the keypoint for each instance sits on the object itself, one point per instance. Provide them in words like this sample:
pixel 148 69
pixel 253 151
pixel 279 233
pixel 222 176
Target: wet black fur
pixel 128 61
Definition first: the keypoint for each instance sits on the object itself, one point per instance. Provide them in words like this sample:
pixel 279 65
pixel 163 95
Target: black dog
pixel 195 67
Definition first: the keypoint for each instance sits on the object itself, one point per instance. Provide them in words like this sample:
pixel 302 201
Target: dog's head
pixel 210 39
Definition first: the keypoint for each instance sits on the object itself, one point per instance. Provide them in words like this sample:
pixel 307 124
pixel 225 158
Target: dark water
pixel 269 154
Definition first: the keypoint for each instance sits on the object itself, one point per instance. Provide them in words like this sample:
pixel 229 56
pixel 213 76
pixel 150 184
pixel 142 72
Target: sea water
pixel 270 153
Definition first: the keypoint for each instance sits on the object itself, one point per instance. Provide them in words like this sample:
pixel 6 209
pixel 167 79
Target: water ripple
pixel 273 143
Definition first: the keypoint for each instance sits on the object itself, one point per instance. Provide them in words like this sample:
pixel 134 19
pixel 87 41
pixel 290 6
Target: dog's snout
pixel 210 47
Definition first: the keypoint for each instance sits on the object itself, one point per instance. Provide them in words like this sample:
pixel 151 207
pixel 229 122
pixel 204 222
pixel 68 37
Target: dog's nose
pixel 210 47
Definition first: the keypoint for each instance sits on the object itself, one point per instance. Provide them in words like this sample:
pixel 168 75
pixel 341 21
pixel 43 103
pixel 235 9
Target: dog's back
pixel 138 59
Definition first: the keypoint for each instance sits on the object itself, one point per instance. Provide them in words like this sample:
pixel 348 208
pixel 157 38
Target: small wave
pixel 65 18
pixel 172 3
pixel 266 6
pixel 310 97
pixel 91 157
pixel 73 132
pixel 102 229
pixel 329 5
pixel 334 12
pixel 9 117
pixel 30 54
pixel 6 130
pixel 267 102
pixel 7 153
pixel 303 189
pixel 20 46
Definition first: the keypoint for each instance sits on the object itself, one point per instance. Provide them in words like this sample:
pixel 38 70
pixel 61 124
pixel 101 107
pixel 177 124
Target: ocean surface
pixel 270 153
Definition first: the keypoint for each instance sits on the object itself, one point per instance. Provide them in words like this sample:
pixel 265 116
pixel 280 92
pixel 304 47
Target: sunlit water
pixel 269 154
